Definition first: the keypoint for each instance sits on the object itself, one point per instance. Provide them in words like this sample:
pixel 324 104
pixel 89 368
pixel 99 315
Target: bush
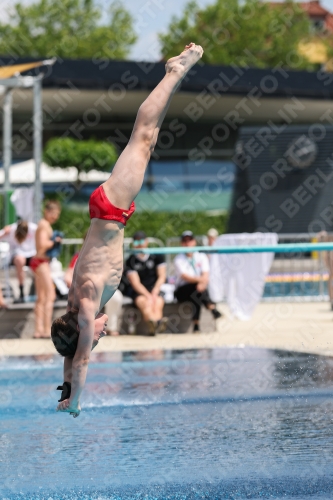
pixel 163 225
pixel 74 223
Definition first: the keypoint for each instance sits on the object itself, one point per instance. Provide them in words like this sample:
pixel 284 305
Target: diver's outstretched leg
pixel 128 173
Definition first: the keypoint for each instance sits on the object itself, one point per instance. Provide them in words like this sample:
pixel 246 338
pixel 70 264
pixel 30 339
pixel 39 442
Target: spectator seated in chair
pixel 22 247
pixel 146 274
pixel 192 270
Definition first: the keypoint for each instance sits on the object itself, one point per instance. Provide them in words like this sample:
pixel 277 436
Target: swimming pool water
pixel 208 424
pixel 299 288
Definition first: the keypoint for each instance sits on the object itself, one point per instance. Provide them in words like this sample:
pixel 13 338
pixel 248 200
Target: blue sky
pixel 151 17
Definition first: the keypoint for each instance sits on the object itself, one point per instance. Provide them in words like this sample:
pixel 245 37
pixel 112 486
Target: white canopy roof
pixel 24 173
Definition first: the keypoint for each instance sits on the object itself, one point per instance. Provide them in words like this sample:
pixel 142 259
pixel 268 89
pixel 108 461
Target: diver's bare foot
pixel 184 62
pixel 3 305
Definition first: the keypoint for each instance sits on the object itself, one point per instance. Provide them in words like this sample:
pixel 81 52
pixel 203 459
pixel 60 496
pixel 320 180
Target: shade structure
pixel 9 71
pixel 10 78
pixel 25 173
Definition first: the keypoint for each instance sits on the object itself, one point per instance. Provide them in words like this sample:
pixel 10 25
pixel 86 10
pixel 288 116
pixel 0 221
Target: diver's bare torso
pixel 99 267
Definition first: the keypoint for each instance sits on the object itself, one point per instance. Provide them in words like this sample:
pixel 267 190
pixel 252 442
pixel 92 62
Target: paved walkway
pixel 303 327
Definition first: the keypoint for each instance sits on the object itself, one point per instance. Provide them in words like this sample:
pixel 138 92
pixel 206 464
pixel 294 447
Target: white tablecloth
pixel 240 277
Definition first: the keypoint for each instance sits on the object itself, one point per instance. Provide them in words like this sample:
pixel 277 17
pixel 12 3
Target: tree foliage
pixel 245 33
pixel 84 155
pixel 67 29
pixel 163 225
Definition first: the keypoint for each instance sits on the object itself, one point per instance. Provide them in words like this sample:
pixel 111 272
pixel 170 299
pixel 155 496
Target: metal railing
pixel 300 275
pixel 72 245
pixel 176 242
pixel 297 276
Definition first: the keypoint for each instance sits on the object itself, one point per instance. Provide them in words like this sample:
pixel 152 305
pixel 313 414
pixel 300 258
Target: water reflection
pixel 295 370
pixel 159 423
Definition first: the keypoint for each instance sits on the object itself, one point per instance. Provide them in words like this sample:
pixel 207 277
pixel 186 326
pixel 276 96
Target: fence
pixel 293 274
pixel 72 245
pixel 297 274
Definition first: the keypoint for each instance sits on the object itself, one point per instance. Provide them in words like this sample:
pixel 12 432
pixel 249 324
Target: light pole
pixel 38 146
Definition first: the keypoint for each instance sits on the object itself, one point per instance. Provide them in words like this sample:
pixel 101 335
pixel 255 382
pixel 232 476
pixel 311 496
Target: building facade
pixel 192 164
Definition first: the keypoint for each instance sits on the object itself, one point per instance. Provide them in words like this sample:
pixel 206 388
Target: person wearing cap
pixel 146 274
pixel 212 234
pixel 192 270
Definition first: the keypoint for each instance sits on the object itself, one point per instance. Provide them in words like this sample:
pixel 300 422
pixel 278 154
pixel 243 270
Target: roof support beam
pixel 38 131
pixel 7 146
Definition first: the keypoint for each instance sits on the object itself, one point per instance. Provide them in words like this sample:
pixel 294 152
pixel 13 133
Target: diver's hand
pixel 65 406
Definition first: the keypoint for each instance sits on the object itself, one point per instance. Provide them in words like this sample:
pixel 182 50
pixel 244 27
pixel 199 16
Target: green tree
pixel 67 29
pixel 74 222
pixel 84 155
pixel 245 33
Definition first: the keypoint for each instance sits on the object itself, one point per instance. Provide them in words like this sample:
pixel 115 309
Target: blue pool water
pixel 209 424
pixel 295 289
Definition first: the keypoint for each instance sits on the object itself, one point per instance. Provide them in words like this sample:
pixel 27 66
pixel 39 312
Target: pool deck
pixel 303 327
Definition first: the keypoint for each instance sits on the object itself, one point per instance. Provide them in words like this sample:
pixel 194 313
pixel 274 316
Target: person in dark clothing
pixel 146 274
pixel 192 271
